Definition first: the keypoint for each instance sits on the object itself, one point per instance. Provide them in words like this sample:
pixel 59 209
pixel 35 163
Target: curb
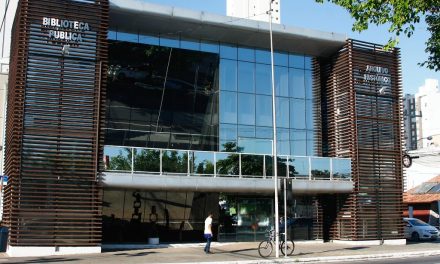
pixel 328 259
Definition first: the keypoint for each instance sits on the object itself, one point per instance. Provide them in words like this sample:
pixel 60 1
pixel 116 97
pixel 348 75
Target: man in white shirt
pixel 208 233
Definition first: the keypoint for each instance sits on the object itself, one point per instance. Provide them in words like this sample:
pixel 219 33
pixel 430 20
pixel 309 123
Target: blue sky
pixel 332 18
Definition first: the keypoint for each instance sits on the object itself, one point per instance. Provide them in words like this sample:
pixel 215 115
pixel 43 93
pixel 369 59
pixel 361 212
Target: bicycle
pixel 265 247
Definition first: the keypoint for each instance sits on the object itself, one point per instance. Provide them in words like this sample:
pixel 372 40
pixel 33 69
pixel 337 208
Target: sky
pixel 332 18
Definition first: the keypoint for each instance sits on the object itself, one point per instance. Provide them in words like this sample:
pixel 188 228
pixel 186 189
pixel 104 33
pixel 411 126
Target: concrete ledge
pixel 14 251
pixel 371 242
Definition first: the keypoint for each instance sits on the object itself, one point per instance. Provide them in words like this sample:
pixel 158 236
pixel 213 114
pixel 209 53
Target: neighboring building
pixel 254 9
pixel 423 201
pixel 409 120
pixel 427 105
pixel 130 121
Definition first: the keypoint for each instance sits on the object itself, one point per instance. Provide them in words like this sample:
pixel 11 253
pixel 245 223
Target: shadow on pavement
pixel 44 260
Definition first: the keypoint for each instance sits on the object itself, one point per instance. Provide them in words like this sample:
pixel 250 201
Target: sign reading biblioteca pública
pixel 64 31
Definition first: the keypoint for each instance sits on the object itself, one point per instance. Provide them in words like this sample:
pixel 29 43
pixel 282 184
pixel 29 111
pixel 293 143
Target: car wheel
pixel 415 236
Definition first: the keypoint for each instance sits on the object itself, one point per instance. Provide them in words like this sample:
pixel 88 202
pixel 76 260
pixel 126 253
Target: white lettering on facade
pixel 65 30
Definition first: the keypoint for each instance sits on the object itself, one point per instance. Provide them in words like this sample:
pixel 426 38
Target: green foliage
pixel 401 16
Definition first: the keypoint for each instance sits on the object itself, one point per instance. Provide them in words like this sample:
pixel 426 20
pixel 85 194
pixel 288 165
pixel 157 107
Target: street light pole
pixel 274 123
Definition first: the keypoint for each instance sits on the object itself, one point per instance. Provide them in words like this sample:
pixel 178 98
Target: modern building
pixel 410 123
pixel 129 121
pixel 254 9
pixel 427 122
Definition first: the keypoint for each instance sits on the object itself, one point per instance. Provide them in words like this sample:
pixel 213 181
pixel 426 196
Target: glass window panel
pixel 246 54
pixel 307 63
pixel 308 84
pixel 296 83
pixel 228 52
pixel 298 139
pixel 300 167
pixel 264 110
pixel 113 204
pixel 246 109
pixel 169 42
pixel 320 168
pixel 202 163
pixel 246 132
pixel 281 59
pixel 228 75
pixel 269 166
pixel 112 35
pixel 309 114
pixel 311 143
pixel 281 81
pixel 246 73
pixel 117 158
pixel 259 146
pixel 145 39
pixel 130 37
pixel 175 161
pixel 252 165
pixel 263 79
pixel 282 112
pixel 262 56
pixel 209 47
pixel 264 132
pixel 191 45
pixel 146 160
pixel 296 61
pixel 341 168
pixel 227 164
pixel 228 132
pixel 228 107
pixel 283 143
pixel 298 115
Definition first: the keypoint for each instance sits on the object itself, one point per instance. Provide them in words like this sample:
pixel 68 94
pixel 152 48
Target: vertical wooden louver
pixel 54 115
pixel 362 119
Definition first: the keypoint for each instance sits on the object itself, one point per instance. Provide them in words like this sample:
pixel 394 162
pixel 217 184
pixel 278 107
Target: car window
pixel 417 222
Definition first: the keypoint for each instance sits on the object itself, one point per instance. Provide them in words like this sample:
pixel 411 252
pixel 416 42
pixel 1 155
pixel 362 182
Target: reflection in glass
pixel 309 114
pixel 175 161
pixel 281 81
pixel 246 131
pixel 320 168
pixel 301 167
pixel 341 168
pixel 252 165
pixel 228 75
pixel 296 83
pixel 308 80
pixel 282 166
pixel 281 59
pixel 262 56
pixel 307 63
pixel 298 142
pixel 246 109
pixel 209 47
pixel 117 158
pixel 252 145
pixel 263 79
pixel 191 45
pixel 227 164
pixel 228 132
pixel 145 39
pixel 112 35
pixel 130 37
pixel 228 52
pixel 282 112
pixel 296 61
pixel 310 143
pixel 264 110
pixel 264 132
pixel 169 42
pixel 283 141
pixel 298 118
pixel 146 160
pixel 246 54
pixel 202 163
pixel 228 107
pixel 246 74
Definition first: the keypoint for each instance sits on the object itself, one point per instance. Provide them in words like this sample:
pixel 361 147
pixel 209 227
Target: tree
pixel 402 16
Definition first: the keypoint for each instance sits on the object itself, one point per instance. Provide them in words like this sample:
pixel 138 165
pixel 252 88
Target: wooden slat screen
pixel 362 120
pixel 54 119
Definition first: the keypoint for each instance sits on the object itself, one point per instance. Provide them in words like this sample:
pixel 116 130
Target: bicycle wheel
pixel 265 248
pixel 290 247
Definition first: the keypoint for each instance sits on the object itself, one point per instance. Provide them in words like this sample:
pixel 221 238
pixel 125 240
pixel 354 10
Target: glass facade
pixel 185 94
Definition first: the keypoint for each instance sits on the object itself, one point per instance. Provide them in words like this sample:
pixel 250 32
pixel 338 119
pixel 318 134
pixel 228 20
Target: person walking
pixel 208 233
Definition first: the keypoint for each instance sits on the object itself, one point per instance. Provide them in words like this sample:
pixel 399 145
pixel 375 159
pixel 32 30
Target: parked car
pixel 416 229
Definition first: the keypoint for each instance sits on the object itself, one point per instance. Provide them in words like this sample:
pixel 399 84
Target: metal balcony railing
pixel 222 164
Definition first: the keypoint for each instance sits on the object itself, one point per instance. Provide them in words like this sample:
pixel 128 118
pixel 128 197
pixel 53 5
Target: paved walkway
pixel 241 253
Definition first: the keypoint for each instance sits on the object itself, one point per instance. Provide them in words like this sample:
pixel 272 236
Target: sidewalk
pixel 242 253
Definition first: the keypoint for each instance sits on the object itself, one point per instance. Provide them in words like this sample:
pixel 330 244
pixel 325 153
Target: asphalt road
pixel 417 260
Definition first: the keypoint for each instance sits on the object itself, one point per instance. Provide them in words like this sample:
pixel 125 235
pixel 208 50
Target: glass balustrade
pixel 222 164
